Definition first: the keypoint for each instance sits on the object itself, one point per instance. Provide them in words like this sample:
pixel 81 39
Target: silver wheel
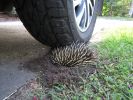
pixel 83 12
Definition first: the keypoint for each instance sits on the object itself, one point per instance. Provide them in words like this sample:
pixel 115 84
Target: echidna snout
pixel 76 54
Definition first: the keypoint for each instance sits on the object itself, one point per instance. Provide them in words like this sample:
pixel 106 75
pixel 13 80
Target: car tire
pixel 55 22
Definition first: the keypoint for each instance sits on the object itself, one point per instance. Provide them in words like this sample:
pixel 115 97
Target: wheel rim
pixel 83 12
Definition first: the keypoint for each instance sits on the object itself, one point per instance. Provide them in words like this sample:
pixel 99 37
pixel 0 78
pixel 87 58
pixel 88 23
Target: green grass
pixel 114 78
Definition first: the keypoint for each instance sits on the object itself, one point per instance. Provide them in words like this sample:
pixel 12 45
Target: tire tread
pixel 46 20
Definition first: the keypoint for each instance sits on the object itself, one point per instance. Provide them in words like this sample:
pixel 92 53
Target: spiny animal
pixel 76 54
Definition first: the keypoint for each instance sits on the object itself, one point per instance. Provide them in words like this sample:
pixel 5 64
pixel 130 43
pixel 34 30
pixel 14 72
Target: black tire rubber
pixel 52 21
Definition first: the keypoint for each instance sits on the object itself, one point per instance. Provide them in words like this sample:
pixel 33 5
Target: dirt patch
pixel 23 93
pixel 50 75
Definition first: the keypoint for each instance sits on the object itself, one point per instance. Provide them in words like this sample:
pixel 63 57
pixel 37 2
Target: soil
pixel 23 93
pixel 49 75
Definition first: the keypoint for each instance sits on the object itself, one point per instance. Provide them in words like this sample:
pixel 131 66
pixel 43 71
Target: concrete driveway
pixel 17 47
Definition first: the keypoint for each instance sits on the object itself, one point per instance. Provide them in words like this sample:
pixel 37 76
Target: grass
pixel 113 80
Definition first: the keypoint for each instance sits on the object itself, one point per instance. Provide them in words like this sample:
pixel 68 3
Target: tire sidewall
pixel 77 34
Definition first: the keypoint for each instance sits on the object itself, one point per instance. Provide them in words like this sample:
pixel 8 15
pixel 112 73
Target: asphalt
pixel 17 47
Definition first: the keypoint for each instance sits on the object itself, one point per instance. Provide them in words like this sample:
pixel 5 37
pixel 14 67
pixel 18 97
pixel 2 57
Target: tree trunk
pixel 100 7
pixel 131 10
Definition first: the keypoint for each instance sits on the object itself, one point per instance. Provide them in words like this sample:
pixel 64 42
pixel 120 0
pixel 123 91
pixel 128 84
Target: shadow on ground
pixel 50 74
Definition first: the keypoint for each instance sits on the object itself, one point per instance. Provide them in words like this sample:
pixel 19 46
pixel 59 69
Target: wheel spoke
pixel 85 17
pixel 84 10
pixel 76 2
pixel 90 3
pixel 80 14
pixel 90 6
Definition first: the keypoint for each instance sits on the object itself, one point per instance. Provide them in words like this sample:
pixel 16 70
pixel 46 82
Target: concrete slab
pixel 16 47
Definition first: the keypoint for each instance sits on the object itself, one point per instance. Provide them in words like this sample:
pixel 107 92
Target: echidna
pixel 76 54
